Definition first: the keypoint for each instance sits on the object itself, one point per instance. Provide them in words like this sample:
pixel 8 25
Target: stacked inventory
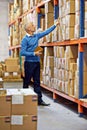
pixel 49 18
pixel 67 19
pixel 18 109
pixel 48 67
pixel 12 69
pixel 77 19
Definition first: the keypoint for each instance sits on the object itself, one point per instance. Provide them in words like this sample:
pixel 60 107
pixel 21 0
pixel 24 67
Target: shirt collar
pixel 28 34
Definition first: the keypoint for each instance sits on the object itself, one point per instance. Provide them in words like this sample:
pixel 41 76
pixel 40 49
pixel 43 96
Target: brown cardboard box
pixel 5 122
pixel 5 105
pixel 70 6
pixel 70 20
pixel 20 122
pixel 77 5
pixel 73 67
pixel 11 68
pixel 69 33
pixel 12 61
pixel 49 7
pixel 68 61
pixel 24 104
pixel 85 77
pixel 71 52
pixel 1 84
pixel 50 61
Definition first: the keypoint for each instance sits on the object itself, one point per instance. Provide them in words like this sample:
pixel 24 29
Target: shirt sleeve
pixel 42 34
pixel 23 50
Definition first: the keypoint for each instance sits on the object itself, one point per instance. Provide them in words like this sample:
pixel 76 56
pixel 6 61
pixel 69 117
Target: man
pixel 32 58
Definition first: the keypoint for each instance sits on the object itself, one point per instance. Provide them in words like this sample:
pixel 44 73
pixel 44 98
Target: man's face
pixel 31 27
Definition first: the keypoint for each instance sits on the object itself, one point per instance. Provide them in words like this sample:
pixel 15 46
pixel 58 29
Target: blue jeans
pixel 32 70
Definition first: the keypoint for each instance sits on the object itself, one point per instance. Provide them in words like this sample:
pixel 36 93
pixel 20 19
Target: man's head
pixel 30 28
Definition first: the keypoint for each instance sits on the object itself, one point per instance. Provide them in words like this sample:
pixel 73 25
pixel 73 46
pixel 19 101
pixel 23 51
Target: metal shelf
pixel 80 103
pixel 29 11
pixel 67 42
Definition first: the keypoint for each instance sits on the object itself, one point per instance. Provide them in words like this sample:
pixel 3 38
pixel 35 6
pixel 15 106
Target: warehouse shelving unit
pixel 80 42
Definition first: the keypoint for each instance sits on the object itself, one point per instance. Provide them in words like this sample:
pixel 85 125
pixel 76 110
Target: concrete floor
pixel 58 117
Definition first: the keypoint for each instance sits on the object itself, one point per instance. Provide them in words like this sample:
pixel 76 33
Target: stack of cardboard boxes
pixel 12 70
pixel 18 109
pixel 77 19
pixel 49 18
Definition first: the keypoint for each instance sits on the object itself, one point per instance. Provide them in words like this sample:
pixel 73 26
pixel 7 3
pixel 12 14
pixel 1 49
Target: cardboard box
pixel 77 5
pixel 1 84
pixel 77 18
pixel 85 24
pixel 12 68
pixel 49 7
pixel 5 122
pixel 25 103
pixel 85 6
pixel 73 67
pixel 12 61
pixel 68 61
pixel 71 75
pixel 21 122
pixel 70 20
pixel 71 52
pixel 61 52
pixel 70 6
pixel 50 61
pixel 77 30
pixel 5 105
pixel 69 33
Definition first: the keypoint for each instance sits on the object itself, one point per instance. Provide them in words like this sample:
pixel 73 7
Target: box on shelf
pixel 71 52
pixel 69 33
pixel 49 7
pixel 70 20
pixel 70 6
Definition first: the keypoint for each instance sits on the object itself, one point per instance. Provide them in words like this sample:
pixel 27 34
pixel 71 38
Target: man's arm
pixel 42 34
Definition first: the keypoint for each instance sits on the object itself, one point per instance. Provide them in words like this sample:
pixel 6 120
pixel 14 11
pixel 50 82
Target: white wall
pixel 4 50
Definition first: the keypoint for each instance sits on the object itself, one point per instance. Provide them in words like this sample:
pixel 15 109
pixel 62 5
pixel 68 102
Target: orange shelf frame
pixel 67 42
pixel 80 103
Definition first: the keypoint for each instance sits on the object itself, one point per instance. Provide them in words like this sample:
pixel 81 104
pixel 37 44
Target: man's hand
pixel 57 22
pixel 38 53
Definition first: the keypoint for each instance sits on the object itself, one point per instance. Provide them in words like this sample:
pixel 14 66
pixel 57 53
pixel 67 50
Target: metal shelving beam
pixel 79 102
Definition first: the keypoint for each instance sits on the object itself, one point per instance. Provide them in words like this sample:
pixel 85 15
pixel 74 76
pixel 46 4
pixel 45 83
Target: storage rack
pixel 80 42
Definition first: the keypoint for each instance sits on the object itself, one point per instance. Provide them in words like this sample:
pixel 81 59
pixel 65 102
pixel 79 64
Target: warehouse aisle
pixel 58 117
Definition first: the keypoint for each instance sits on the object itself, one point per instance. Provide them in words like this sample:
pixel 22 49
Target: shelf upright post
pixel 80 109
pixel 82 3
pixel 56 13
pixel 56 9
pixel 81 52
pixel 39 16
